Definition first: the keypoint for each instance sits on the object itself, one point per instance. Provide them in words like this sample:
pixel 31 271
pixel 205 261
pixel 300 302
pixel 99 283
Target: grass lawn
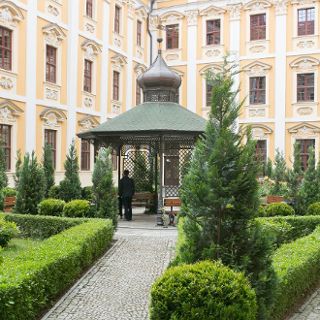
pixel 17 245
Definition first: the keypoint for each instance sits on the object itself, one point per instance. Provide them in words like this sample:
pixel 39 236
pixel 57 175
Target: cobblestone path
pixel 117 286
pixel 310 310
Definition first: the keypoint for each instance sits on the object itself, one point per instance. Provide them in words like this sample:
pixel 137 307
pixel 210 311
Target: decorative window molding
pixel 91 48
pixel 90 22
pixel 257 5
pixel 54 35
pixel 87 123
pixel 213 68
pixel 171 17
pixel 305 63
pixel 260 131
pixel 52 117
pixel 141 13
pixel 10 14
pixel 139 69
pixel 54 8
pixel 234 11
pixel 118 62
pixel 257 69
pixel 9 112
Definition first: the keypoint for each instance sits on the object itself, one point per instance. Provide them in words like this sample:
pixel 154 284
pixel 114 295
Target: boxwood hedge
pixel 297 265
pixel 40 227
pixel 31 280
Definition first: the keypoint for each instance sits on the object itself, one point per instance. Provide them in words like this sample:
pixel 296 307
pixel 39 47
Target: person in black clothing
pixel 126 191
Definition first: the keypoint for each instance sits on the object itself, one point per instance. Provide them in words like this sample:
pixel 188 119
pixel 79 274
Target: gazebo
pixel 160 128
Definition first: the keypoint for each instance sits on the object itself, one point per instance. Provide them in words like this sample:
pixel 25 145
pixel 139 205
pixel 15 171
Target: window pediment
pixel 54 34
pixel 212 68
pixel 304 129
pixel 10 14
pixel 140 69
pixel 257 5
pixel 302 2
pixel 141 12
pixel 9 111
pixel 304 63
pixel 171 17
pixel 212 11
pixel 88 122
pixel 257 68
pixel 91 48
pixel 119 60
pixel 53 117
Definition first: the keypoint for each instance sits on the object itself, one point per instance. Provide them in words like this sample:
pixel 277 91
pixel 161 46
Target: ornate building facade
pixel 68 65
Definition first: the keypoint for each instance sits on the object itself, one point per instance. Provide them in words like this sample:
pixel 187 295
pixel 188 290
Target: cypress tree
pixel 220 196
pixel 141 173
pixel 279 174
pixel 31 186
pixel 17 168
pixel 70 186
pixel 3 175
pixel 269 169
pixel 48 168
pixel 103 189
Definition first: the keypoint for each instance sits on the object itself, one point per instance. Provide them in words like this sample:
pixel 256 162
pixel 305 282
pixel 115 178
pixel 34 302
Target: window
pixel 172 36
pixel 5 139
pixel 139 32
pixel 305 144
pixel 85 154
pixel 306 19
pixel 117 19
pixel 51 64
pixel 138 93
pixel 116 83
pixel 305 87
pixel 50 138
pixel 261 151
pixel 258 27
pixel 208 93
pixel 213 32
pixel 257 90
pixel 5 48
pixel 89 7
pixel 87 86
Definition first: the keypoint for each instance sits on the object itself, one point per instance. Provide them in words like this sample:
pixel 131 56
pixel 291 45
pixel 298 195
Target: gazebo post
pixel 119 177
pixel 160 192
pixel 156 178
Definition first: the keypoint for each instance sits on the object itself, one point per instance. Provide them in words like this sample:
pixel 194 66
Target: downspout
pixel 148 28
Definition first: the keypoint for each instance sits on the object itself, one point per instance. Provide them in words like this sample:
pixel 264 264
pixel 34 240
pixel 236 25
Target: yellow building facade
pixel 68 65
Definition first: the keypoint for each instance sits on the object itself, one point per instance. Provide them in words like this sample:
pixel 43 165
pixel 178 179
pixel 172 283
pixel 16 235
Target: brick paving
pixel 310 310
pixel 117 287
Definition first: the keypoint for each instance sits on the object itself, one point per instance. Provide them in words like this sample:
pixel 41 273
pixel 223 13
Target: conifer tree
pixel 70 186
pixel 3 175
pixel 220 196
pixel 309 189
pixel 279 174
pixel 141 173
pixel 48 168
pixel 103 188
pixel 269 169
pixel 31 186
pixel 17 168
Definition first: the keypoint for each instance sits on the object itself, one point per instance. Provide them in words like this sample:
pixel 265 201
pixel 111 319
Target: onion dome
pixel 159 83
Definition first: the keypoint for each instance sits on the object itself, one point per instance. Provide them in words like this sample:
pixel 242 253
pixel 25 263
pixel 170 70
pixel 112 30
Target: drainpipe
pixel 148 28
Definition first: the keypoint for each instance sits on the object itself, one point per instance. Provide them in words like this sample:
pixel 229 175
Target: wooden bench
pixel 274 199
pixel 146 199
pixel 172 202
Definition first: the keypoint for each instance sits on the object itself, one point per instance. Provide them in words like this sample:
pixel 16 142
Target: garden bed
pixel 35 276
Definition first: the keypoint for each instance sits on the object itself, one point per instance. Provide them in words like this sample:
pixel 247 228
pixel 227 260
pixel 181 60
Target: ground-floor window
pixel 85 155
pixel 305 145
pixel 5 139
pixel 50 138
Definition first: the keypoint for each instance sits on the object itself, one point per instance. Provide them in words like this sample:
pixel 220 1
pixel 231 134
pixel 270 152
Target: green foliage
pixel 220 194
pixel 141 173
pixel 309 192
pixel 76 209
pixel 70 186
pixel 264 188
pixel 3 175
pixel 48 168
pixel 9 192
pixel 31 186
pixel 87 193
pixel 37 276
pixel 40 227
pixel 289 228
pixel 103 189
pixel 278 209
pixel 51 207
pixel 204 290
pixel 279 174
pixel 314 209
pixel 54 192
pixel 8 230
pixel 18 168
pixel 269 168
pixel 297 265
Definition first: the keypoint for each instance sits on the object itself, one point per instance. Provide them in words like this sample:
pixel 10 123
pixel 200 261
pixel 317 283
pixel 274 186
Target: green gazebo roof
pixel 151 118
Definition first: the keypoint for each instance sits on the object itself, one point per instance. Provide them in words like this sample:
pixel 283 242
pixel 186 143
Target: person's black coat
pixel 126 187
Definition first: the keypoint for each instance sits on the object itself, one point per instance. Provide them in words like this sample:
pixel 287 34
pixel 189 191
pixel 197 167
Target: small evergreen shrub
pixel 87 193
pixel 297 265
pixel 54 192
pixel 204 290
pixel 48 168
pixel 76 209
pixel 51 207
pixel 314 209
pixel 40 227
pixel 279 209
pixel 8 230
pixel 262 211
pixel 9 192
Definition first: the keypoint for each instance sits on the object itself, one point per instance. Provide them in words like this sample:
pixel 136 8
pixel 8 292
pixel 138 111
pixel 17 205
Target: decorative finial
pixel 159 47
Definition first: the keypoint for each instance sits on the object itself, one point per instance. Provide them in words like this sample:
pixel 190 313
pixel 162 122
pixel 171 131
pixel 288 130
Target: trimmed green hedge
pixel 31 280
pixel 40 227
pixel 297 266
pixel 278 209
pixel 76 209
pixel 204 290
pixel 314 209
pixel 8 230
pixel 290 228
pixel 51 207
